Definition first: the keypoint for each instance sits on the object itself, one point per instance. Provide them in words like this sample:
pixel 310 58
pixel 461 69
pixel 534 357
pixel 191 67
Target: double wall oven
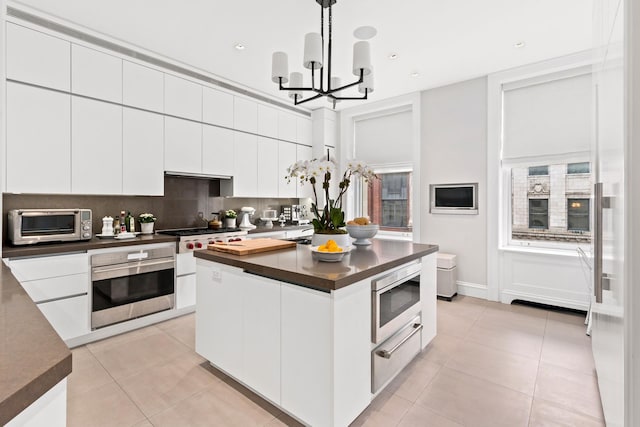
pixel 396 322
pixel 131 282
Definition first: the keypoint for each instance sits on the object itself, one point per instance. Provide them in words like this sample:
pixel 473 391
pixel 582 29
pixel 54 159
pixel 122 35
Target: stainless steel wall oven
pixel 396 322
pixel 131 283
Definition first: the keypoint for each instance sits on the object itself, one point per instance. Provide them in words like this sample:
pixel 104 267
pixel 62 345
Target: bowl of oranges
pixel 362 230
pixel 330 251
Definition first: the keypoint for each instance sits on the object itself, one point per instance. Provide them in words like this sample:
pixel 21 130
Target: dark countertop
pixel 297 265
pixel 83 246
pixel 33 358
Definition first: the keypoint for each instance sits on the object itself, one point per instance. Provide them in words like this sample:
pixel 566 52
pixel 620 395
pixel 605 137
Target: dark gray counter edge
pixel 37 378
pixel 310 280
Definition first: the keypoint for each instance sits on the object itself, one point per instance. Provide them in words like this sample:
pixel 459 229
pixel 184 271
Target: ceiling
pixel 443 41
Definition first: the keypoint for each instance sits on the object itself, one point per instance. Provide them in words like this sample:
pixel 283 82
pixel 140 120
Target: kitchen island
pixel 298 331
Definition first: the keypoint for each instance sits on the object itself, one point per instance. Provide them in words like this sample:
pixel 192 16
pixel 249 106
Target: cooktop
pixel 197 231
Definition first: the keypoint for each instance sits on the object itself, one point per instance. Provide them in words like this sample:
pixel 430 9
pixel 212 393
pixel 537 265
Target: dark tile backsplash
pixel 183 199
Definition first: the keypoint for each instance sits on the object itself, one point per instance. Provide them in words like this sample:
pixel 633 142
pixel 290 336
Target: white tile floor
pixel 490 365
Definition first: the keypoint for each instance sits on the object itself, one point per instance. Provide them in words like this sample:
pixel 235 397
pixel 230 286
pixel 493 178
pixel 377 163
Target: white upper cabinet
pixel 286 157
pixel 304 153
pixel 303 134
pixel 217 150
pixel 38 140
pixel 267 167
pixel 38 58
pixel 182 98
pixel 217 107
pixel 245 161
pixel 142 153
pixel 267 121
pixel 287 126
pixel 182 145
pixel 96 147
pixel 142 87
pixel 245 114
pixel 96 74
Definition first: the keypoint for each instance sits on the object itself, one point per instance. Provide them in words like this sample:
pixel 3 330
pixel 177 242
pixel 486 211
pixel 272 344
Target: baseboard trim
pixel 475 290
pixel 507 296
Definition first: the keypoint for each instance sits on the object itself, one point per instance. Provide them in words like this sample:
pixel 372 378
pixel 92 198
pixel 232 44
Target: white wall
pixel 454 150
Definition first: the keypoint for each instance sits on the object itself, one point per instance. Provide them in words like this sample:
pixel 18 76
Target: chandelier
pixel 314 59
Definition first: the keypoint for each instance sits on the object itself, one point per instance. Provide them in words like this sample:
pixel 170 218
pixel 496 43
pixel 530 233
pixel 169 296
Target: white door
pixel 609 228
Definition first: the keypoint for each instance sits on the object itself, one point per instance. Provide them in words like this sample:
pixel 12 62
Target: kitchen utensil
pixel 362 233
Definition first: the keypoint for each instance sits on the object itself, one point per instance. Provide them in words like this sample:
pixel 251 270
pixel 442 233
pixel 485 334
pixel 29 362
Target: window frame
pixel 507 242
pixel 360 193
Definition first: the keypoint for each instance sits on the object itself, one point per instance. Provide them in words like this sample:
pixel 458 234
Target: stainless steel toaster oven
pixel 30 226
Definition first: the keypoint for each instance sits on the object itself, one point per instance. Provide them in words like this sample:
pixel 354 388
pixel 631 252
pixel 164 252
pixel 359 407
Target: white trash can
pixel 447 276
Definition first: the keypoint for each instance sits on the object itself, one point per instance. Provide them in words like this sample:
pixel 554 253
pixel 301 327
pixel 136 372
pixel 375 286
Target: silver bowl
pixel 362 233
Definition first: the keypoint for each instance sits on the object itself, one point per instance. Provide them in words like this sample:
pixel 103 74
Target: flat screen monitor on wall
pixel 454 198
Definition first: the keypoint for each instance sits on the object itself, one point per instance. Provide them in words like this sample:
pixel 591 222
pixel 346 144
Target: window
pixel 551 204
pixel 539 213
pixel 584 167
pixel 388 201
pixel 578 214
pixel 538 170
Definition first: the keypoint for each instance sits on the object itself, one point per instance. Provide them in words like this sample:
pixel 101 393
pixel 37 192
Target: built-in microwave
pixel 30 226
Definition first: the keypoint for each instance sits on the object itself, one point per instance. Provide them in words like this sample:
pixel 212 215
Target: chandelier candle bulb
pixel 279 67
pixel 312 51
pixel 367 83
pixel 361 58
pixel 296 81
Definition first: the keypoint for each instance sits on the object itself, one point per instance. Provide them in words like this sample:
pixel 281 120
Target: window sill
pixel 573 253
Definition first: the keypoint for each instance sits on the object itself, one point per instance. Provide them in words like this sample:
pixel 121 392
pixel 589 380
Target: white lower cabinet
pixel 68 316
pixel 261 336
pixel 306 340
pixel 59 285
pixel 186 291
pixel 307 351
pixel 219 319
pixel 242 333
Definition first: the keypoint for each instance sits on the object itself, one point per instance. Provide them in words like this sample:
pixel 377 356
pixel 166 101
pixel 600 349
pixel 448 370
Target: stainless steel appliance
pixel 396 322
pixel 395 301
pixel 191 239
pixel 129 282
pixel 30 226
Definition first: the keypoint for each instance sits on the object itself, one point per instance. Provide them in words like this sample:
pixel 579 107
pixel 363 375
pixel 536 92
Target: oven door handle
pixel 131 268
pixel 417 327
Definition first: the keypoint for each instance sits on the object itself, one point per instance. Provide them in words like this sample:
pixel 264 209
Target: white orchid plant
pixel 331 219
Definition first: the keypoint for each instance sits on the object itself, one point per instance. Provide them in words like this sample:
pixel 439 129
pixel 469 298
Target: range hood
pixel 196 175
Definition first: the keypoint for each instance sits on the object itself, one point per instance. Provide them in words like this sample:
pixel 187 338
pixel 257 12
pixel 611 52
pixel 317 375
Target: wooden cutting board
pixel 253 246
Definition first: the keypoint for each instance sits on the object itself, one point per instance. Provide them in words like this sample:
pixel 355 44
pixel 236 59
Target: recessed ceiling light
pixel 365 33
pixel 518 45
pixel 393 56
pixel 239 46
pixel 415 74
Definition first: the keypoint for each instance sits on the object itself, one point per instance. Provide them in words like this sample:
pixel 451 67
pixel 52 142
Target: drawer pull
pixel 417 327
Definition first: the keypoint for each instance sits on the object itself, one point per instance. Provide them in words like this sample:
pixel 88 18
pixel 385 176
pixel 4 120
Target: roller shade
pixel 548 118
pixel 384 139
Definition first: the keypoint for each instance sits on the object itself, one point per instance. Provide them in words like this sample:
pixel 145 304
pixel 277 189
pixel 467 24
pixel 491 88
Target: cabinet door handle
pixel 417 327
